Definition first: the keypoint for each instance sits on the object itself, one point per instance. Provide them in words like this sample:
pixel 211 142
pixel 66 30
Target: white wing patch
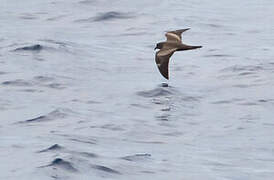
pixel 164 52
pixel 173 36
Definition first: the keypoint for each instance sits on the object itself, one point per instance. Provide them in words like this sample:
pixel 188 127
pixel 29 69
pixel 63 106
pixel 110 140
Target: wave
pixel 36 47
pixel 107 16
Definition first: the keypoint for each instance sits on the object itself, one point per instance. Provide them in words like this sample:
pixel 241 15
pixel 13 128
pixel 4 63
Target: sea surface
pixel 81 97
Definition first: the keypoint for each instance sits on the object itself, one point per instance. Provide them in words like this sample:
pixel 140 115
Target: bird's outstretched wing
pixel 175 35
pixel 162 60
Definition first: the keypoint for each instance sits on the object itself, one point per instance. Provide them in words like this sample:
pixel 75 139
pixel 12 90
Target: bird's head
pixel 159 45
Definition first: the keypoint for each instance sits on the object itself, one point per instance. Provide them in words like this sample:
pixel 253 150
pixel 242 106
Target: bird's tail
pixel 188 47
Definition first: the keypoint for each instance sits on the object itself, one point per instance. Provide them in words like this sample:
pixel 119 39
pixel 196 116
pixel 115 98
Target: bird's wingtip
pixel 177 30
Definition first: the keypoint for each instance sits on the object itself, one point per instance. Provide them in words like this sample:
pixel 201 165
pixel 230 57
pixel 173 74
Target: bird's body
pixel 168 47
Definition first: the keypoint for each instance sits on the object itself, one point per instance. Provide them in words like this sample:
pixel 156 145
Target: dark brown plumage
pixel 167 48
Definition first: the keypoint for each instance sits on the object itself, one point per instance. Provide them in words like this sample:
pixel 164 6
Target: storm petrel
pixel 167 48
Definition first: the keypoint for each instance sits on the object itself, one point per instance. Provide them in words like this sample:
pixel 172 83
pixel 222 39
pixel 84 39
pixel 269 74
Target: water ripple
pixel 54 147
pixel 87 2
pixel 137 157
pixel 155 92
pixel 17 82
pixel 239 68
pixel 105 169
pixel 63 164
pixel 56 114
pixel 112 15
pixel 107 16
pixel 36 47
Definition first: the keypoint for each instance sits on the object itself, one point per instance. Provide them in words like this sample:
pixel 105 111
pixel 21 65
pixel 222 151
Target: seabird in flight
pixel 167 48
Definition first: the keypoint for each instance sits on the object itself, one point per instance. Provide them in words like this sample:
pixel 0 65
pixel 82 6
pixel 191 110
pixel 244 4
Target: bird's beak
pixel 155 48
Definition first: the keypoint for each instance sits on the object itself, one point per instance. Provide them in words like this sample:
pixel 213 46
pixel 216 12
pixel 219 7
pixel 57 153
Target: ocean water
pixel 81 96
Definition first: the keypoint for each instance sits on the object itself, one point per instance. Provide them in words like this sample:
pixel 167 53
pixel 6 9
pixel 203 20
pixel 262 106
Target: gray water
pixel 81 95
